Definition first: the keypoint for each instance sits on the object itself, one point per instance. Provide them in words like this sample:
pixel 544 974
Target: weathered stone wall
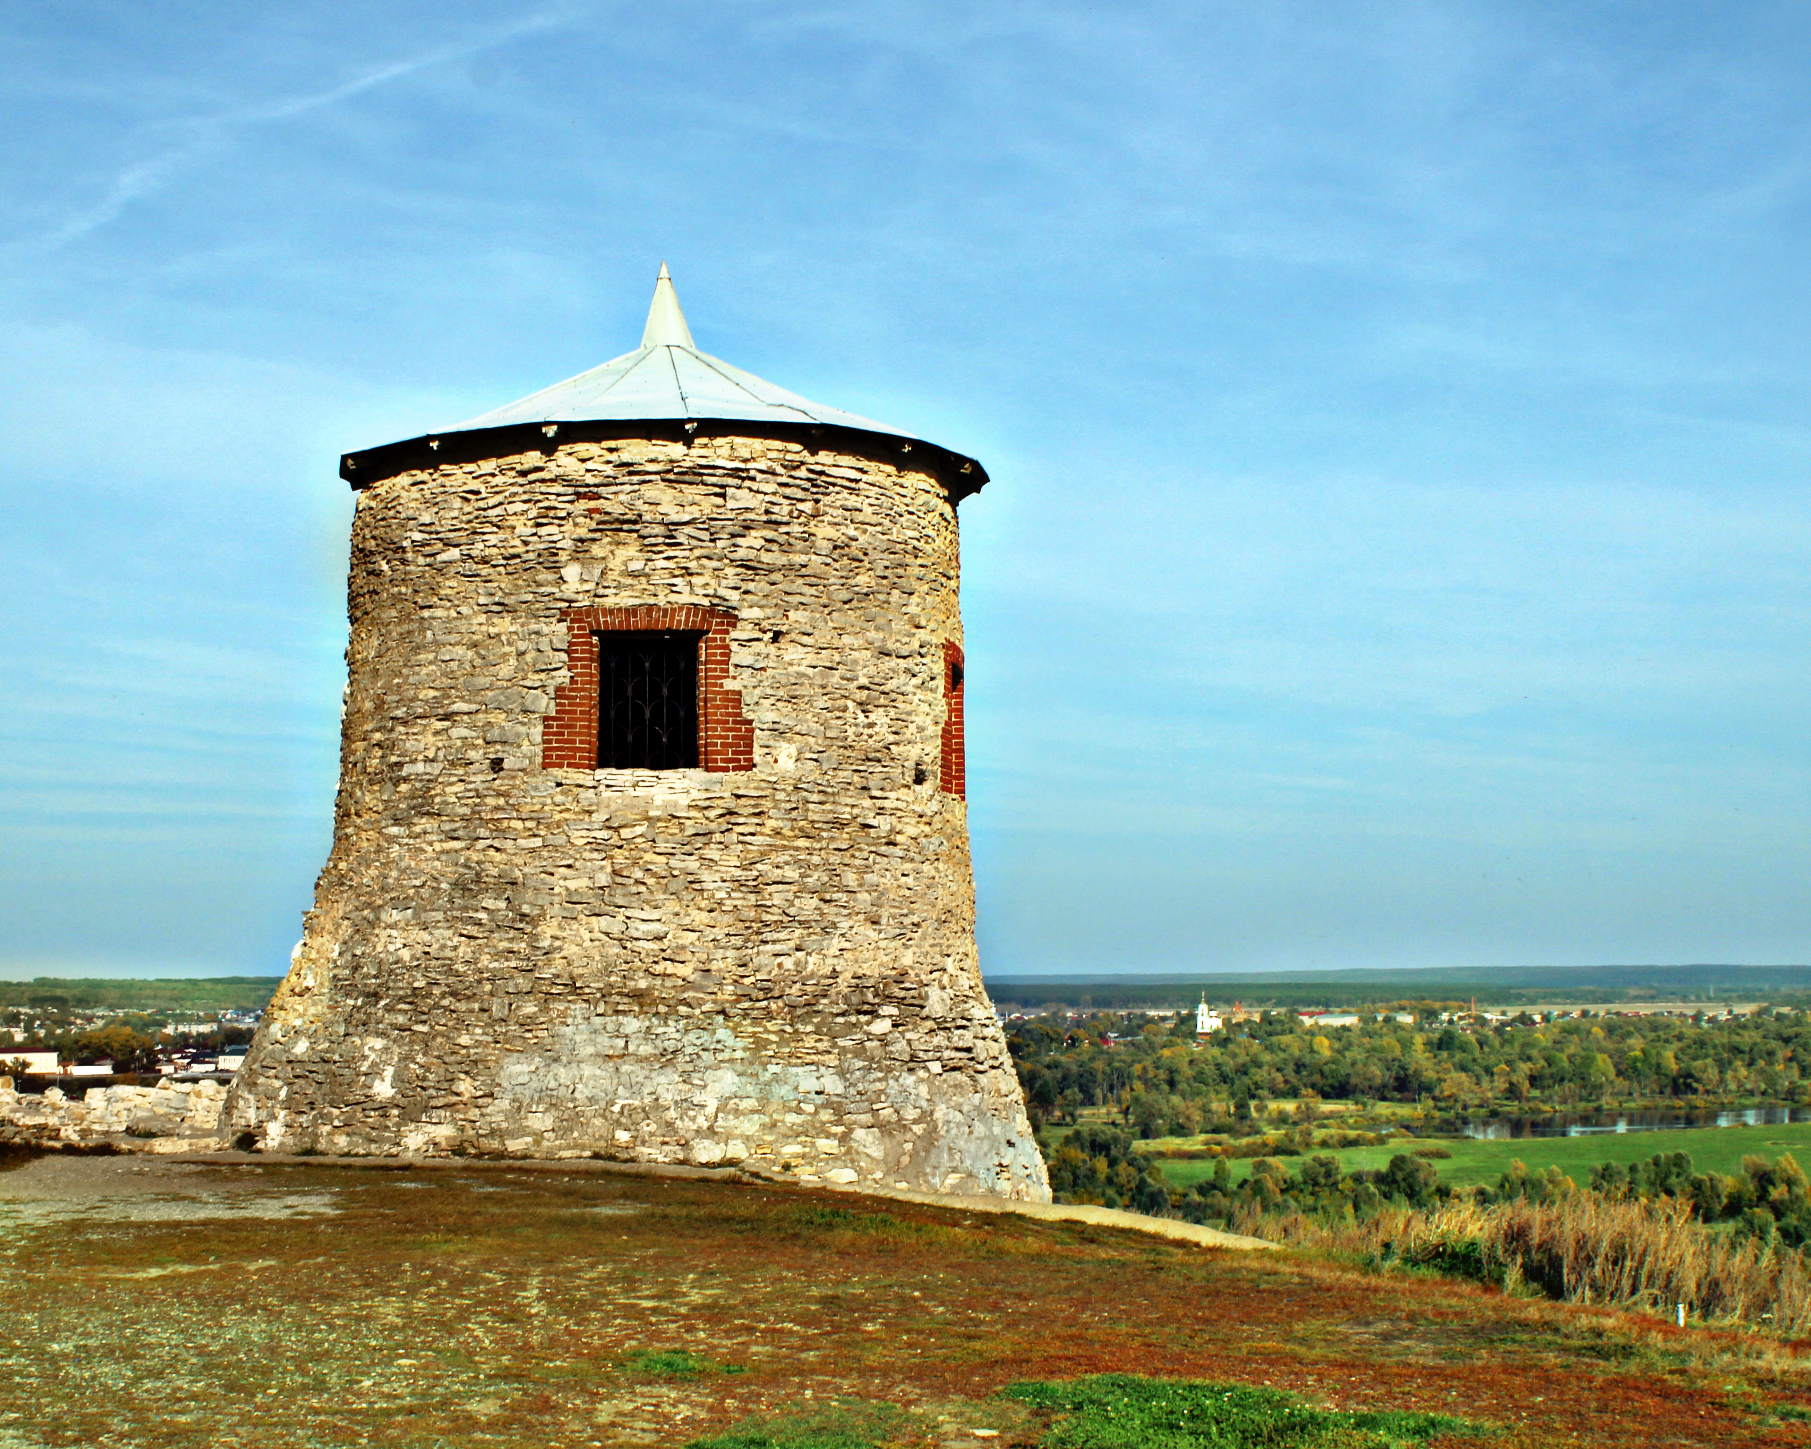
pixel 774 965
pixel 179 1116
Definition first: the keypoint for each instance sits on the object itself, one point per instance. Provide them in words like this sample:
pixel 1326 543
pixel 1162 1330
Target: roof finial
pixel 666 323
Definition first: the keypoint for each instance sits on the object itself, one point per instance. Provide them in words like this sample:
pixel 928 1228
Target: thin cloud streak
pixel 210 134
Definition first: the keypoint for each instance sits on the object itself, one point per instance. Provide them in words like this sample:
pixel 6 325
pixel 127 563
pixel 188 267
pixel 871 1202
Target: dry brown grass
pixel 1584 1248
pixel 147 1304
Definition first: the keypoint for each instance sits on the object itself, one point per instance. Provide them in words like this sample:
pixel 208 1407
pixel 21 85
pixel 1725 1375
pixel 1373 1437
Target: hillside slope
pixel 148 1303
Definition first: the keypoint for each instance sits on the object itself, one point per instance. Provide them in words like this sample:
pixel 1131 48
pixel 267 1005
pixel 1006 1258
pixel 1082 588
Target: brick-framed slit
pixel 953 778
pixel 570 735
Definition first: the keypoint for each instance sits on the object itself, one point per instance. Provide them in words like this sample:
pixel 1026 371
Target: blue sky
pixel 1399 549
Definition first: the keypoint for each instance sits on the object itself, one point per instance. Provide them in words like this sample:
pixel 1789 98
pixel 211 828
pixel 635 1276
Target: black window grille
pixel 647 709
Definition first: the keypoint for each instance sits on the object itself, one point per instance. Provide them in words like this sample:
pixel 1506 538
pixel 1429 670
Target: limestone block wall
pixel 172 1116
pixel 773 965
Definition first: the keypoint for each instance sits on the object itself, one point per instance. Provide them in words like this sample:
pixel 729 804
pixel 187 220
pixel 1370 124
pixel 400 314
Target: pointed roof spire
pixel 666 378
pixel 666 323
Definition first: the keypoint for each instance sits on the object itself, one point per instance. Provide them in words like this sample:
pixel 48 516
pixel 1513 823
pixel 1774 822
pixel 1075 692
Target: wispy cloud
pixel 202 136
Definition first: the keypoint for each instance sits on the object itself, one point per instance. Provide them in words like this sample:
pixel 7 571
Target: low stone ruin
pixel 170 1117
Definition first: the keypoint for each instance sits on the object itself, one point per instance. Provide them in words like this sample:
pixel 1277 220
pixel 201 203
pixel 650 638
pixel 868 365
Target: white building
pixel 1207 1019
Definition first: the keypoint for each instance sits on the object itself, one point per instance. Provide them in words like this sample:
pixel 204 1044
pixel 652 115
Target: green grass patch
pixel 842 1424
pixel 1122 1411
pixel 835 1219
pixel 1473 1162
pixel 838 1226
pixel 673 1364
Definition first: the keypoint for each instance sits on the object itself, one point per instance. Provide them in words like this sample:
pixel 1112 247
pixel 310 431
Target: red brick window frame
pixel 953 779
pixel 726 739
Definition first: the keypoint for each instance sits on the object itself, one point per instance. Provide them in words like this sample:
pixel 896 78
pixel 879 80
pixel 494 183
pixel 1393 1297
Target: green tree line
pixel 196 995
pixel 1162 1082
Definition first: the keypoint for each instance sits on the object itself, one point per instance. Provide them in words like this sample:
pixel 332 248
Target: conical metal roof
pixel 668 377
pixel 665 379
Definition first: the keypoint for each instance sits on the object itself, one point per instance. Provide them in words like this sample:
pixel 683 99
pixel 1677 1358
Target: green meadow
pixel 1718 1149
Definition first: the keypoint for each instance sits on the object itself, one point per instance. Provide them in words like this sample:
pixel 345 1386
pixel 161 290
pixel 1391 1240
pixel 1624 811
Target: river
pixel 1589 1124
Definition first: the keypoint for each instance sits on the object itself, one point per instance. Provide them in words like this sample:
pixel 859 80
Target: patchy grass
pixel 1122 1411
pixel 151 1305
pixel 1111 1411
pixel 848 1424
pixel 673 1364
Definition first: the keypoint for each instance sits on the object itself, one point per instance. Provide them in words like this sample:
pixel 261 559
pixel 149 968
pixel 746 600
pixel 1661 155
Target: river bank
pixel 1474 1161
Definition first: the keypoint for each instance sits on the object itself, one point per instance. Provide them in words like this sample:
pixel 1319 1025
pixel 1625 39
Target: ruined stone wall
pixel 773 965
pixel 170 1117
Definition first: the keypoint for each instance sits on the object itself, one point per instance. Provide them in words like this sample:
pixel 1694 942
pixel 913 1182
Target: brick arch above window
pixel 726 738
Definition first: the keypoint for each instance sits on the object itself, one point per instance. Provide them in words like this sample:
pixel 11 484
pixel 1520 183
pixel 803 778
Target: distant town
pixel 1215 1018
pixel 46 1044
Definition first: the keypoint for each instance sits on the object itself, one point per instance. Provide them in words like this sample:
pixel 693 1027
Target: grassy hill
pixel 210 994
pixel 147 1303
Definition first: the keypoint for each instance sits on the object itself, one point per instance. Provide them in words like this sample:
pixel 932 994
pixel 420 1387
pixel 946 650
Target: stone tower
pixel 651 840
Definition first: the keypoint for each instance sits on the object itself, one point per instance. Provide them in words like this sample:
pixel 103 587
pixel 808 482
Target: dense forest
pixel 1726 1245
pixel 1160 1081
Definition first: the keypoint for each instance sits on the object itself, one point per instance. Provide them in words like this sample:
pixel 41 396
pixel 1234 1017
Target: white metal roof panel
pixel 667 377
pixel 668 381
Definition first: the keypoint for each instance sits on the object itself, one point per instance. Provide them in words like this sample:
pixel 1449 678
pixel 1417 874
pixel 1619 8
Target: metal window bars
pixel 647 715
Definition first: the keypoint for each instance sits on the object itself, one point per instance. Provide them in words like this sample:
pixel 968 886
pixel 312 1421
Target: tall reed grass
pixel 1584 1248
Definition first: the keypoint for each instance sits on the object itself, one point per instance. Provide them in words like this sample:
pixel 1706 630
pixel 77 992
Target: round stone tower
pixel 651 840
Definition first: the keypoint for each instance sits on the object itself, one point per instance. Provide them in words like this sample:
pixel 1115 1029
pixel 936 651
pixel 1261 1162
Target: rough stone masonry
pixel 768 959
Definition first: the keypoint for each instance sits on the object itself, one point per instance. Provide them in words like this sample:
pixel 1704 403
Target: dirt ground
pixel 151 1303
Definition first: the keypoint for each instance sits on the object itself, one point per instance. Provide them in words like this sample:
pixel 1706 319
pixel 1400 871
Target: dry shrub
pixel 1584 1248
